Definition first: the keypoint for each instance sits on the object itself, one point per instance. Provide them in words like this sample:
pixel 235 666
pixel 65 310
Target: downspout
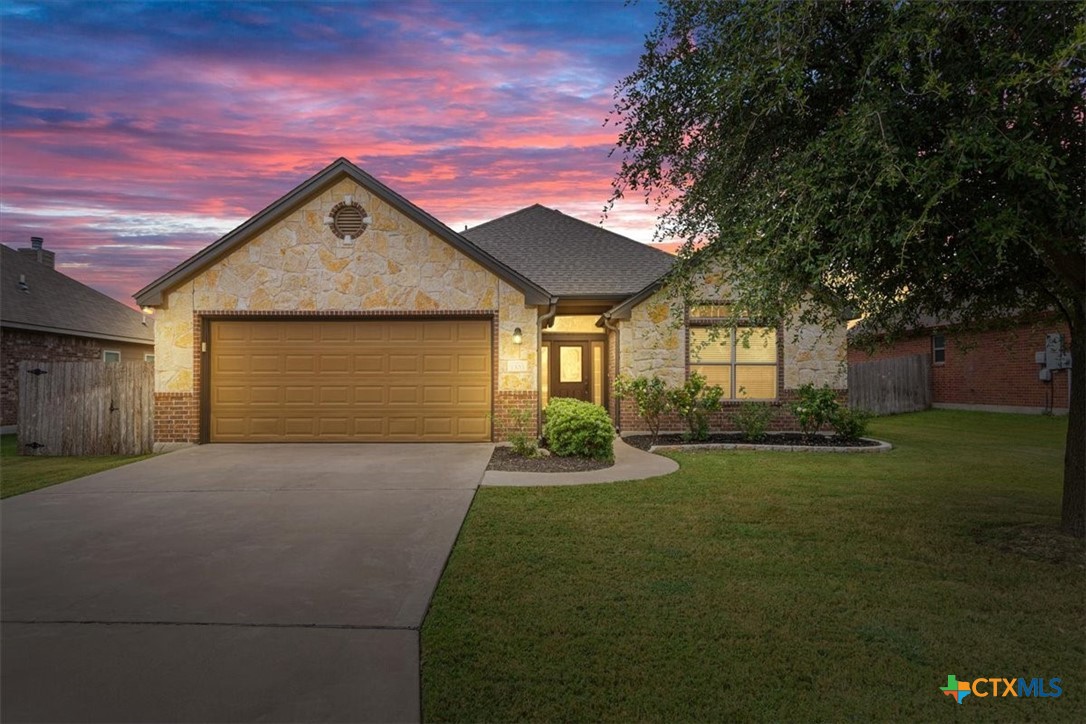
pixel 542 322
pixel 608 324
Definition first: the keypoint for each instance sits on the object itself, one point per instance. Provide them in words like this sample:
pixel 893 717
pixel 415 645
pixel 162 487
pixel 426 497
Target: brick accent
pixel 17 345
pixel 505 405
pixel 987 368
pixel 721 421
pixel 176 417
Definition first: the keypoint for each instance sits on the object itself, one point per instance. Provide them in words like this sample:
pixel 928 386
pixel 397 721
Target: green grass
pixel 771 586
pixel 23 473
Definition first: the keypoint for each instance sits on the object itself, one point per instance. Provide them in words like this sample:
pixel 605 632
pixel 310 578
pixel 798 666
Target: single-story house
pixel 48 316
pixel 344 312
pixel 1003 369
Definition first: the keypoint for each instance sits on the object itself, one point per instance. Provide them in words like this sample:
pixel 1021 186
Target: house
pixel 344 312
pixel 48 316
pixel 992 369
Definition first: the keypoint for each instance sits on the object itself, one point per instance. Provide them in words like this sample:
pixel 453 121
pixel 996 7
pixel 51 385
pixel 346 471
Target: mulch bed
pixel 735 438
pixel 505 459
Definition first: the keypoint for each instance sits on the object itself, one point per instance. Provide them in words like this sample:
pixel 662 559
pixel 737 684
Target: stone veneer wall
pixel 298 266
pixel 651 342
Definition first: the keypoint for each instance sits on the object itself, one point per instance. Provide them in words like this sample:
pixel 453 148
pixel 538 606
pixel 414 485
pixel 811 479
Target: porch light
pixel 518 337
pixel 148 310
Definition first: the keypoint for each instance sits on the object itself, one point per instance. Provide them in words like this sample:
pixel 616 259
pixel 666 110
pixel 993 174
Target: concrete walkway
pixel 630 464
pixel 229 583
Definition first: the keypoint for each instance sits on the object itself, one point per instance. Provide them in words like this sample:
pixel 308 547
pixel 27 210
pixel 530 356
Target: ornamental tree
pixel 895 159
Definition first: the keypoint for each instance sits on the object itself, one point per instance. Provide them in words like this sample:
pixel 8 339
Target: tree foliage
pixel 897 159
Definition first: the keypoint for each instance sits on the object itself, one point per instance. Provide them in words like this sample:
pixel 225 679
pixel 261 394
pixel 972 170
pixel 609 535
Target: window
pixel 111 355
pixel 938 349
pixel 741 360
pixel 148 358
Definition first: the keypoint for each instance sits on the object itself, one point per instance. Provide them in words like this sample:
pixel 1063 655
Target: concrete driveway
pixel 230 583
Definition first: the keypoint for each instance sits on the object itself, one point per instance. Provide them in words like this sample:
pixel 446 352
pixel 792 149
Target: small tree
pixel 650 395
pixel 693 402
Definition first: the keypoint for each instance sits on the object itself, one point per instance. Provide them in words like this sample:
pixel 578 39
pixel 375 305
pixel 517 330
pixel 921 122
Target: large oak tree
pixel 896 158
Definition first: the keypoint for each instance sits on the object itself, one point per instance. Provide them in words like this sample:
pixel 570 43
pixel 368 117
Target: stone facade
pixel 298 266
pixel 653 341
pixel 17 345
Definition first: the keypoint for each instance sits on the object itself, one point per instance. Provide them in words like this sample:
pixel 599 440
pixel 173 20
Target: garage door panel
pixel 397 380
pixel 369 363
pixel 472 363
pixel 370 395
pixel 403 363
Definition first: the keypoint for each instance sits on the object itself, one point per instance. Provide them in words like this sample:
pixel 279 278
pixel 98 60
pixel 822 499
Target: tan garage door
pixel 350 380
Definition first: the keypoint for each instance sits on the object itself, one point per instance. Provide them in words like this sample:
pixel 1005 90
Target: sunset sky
pixel 134 134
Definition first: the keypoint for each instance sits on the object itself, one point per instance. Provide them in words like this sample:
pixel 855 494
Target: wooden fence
pixel 86 408
pixel 889 386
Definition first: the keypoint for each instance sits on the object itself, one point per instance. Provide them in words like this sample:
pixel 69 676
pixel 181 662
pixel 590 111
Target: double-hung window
pixel 740 358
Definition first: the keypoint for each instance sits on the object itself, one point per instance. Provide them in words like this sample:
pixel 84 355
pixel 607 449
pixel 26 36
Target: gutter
pixel 552 312
pixel 608 324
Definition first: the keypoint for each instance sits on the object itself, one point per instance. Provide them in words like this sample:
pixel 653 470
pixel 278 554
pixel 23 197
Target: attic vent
pixel 348 220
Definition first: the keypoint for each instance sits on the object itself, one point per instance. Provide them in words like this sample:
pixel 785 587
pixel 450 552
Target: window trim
pixel 106 352
pixel 731 326
pixel 936 348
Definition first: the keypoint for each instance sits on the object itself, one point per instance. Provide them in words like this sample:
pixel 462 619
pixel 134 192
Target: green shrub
pixel 524 440
pixel 693 402
pixel 753 418
pixel 815 407
pixel 573 427
pixel 650 394
pixel 850 424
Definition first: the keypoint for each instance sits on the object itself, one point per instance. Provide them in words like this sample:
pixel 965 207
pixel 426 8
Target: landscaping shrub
pixel 850 424
pixel 753 418
pixel 524 440
pixel 815 407
pixel 693 402
pixel 650 394
pixel 573 427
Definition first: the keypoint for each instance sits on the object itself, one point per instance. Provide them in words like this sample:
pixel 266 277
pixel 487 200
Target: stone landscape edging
pixel 882 446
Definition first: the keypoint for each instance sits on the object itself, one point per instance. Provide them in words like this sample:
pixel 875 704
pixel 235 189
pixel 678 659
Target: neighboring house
pixel 47 316
pixel 995 370
pixel 345 312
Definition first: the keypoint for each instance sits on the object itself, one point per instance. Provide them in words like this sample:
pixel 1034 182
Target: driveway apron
pixel 230 583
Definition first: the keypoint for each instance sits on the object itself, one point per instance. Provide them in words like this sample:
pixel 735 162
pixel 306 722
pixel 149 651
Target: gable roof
pixel 569 257
pixel 152 294
pixel 54 302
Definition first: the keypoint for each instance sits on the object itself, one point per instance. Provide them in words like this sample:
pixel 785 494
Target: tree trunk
pixel 1073 513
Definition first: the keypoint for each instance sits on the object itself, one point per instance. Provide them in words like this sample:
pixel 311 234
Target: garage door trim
pixel 202 346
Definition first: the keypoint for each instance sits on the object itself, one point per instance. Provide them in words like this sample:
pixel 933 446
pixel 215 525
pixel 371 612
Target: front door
pixel 571 370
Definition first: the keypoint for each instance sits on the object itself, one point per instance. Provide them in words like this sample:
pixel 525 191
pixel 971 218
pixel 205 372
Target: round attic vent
pixel 348 220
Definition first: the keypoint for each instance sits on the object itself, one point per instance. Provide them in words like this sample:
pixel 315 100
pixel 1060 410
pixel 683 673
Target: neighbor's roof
pixel 57 303
pixel 569 257
pixel 152 294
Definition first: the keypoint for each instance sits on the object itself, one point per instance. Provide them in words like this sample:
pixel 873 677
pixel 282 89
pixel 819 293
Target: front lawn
pixel 772 586
pixel 23 473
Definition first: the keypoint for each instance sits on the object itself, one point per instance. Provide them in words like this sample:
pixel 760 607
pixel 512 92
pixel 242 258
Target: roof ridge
pixel 509 215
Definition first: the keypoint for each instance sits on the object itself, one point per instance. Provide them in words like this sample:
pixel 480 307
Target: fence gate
pixel 889 386
pixel 86 408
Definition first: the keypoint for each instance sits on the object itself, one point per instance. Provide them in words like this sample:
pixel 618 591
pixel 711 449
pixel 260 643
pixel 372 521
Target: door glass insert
pixel 569 364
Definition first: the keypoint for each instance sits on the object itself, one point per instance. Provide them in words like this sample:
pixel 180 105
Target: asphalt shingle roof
pixel 567 256
pixel 57 303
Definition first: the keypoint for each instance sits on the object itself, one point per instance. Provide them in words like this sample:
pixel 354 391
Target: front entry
pixel 571 370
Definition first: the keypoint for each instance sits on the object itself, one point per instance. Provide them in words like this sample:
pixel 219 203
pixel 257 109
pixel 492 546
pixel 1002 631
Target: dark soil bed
pixel 505 459
pixel 735 438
